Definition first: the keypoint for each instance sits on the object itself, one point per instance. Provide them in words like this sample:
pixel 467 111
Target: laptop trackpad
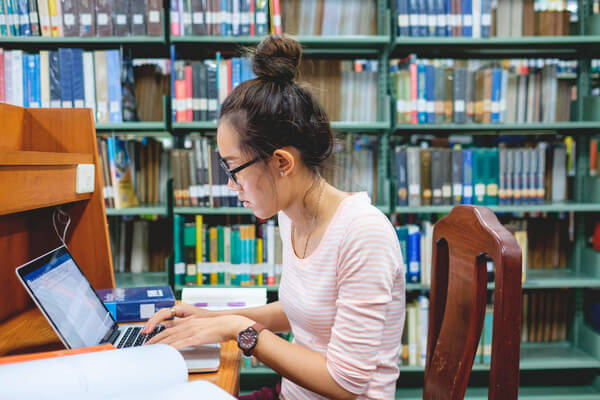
pixel 206 358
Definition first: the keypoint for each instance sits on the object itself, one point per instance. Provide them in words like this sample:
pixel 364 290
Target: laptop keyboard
pixel 132 336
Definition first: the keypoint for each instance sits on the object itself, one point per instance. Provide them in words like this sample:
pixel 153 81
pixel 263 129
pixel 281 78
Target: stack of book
pixel 224 18
pixel 481 18
pixel 479 91
pixel 242 255
pixel 330 17
pixel 481 176
pixel 139 244
pixel 198 179
pixel 64 78
pixel 347 89
pixel 133 171
pixel 355 165
pixel 68 18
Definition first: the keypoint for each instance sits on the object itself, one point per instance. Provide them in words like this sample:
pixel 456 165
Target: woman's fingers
pixel 154 320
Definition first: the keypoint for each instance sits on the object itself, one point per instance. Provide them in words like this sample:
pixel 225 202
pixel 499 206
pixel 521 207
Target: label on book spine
pixel 198 18
pixel 154 16
pixel 69 19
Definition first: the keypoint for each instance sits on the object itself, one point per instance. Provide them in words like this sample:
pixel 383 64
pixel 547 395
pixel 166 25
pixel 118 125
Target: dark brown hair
pixel 272 110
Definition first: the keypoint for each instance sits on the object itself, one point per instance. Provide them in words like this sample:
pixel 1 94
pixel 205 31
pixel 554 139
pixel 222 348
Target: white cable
pixel 66 220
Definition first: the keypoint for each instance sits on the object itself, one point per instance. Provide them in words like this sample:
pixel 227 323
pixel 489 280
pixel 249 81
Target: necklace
pixel 312 225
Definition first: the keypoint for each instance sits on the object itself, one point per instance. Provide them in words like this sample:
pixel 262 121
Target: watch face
pixel 247 338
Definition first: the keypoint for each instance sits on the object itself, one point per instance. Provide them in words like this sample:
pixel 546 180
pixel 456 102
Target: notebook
pixel 67 300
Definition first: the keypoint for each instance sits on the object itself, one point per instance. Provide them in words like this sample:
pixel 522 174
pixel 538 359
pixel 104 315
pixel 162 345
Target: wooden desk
pixel 35 334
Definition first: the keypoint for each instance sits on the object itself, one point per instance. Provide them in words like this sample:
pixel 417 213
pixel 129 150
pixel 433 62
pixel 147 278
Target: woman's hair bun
pixel 277 58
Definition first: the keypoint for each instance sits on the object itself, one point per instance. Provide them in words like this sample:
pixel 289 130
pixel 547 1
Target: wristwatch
pixel 248 338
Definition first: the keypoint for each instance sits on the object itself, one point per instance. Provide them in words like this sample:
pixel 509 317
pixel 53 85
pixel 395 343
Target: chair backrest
pixel 463 241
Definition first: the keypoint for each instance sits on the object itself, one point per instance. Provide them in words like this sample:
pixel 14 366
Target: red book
pixel 593 156
pixel 413 93
pixel 252 18
pixel 189 94
pixel 276 17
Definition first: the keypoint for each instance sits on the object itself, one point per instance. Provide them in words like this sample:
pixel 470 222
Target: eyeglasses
pixel 231 172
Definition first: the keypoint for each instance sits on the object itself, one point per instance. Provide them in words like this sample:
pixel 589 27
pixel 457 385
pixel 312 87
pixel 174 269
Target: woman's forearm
pixel 301 365
pixel 270 315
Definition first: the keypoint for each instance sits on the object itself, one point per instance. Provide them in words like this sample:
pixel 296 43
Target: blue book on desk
pixel 136 303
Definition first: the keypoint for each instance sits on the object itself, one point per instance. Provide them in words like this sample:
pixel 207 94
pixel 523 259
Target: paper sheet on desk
pixel 138 372
pixel 224 298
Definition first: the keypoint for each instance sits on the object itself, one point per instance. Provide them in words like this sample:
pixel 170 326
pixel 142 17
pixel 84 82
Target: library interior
pixel 400 199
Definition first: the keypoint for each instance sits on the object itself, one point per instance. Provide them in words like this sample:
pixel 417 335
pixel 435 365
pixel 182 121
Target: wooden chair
pixel 463 242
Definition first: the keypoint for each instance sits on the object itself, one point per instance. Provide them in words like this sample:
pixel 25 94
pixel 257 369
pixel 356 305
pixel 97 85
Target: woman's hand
pixel 193 331
pixel 182 310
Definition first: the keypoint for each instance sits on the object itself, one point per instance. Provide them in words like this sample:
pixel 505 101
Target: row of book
pixel 67 78
pixel 482 18
pixel 198 179
pixel 201 86
pixel 355 165
pixel 545 244
pixel 347 89
pixel 134 171
pixel 225 17
pixel 547 240
pixel 139 244
pixel 477 91
pixel 81 18
pixel 330 17
pixel 544 319
pixel 480 176
pixel 242 255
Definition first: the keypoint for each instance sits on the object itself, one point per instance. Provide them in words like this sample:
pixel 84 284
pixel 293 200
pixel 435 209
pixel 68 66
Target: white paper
pixel 140 371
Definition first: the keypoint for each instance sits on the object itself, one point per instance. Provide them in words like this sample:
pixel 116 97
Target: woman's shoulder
pixel 360 218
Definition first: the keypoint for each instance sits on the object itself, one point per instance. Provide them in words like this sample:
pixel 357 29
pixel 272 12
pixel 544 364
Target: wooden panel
pixel 61 139
pixel 43 158
pixel 30 187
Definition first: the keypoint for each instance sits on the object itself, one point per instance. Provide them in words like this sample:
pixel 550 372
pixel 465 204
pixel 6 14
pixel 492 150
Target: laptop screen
pixel 67 298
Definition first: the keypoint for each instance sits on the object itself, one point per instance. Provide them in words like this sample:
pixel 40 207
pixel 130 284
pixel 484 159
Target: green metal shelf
pixel 130 279
pixel 335 42
pixel 543 279
pixel 159 126
pixel 83 41
pixel 237 210
pixel 344 126
pixel 213 211
pixel 527 46
pixel 548 207
pixel 143 210
pixel 270 288
pixel 540 356
pixel 472 129
pixel 584 392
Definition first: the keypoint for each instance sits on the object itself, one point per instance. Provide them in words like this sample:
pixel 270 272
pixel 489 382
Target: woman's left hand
pixel 193 331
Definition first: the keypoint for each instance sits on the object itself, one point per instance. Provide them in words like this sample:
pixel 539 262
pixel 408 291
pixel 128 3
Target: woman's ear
pixel 284 161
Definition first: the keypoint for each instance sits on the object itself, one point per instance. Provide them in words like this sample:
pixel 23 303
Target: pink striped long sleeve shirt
pixel 346 300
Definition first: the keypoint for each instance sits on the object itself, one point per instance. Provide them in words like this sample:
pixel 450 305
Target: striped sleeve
pixel 369 264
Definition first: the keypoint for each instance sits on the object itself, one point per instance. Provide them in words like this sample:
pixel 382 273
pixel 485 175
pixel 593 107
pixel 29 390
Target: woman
pixel 342 290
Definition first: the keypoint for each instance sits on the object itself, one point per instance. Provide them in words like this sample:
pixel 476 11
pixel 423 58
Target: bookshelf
pixel 584 272
pixel 39 154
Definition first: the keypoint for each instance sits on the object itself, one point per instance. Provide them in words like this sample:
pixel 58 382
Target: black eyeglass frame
pixel 231 172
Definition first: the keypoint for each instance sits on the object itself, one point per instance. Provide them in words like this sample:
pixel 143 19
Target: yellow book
pixel 199 248
pixel 214 277
pixel 55 18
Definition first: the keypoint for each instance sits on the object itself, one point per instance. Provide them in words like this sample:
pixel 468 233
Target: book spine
pixel 413 273
pixel 467 197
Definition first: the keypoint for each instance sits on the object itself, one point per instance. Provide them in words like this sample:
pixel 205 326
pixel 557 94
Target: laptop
pixel 80 319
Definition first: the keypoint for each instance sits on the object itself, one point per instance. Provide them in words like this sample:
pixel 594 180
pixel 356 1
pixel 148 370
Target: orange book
pixel 55 353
